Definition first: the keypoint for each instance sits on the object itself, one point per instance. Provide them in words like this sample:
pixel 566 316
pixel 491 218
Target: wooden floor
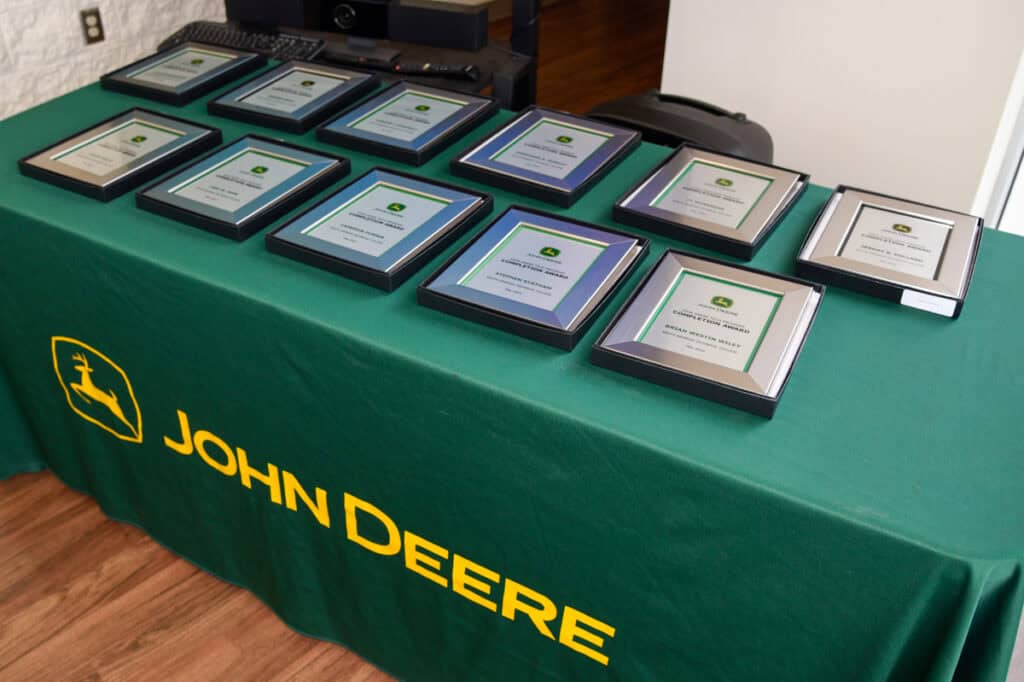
pixel 86 598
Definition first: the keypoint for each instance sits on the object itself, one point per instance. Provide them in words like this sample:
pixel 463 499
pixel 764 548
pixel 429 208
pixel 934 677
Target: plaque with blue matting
pixel 242 187
pixel 536 274
pixel 548 155
pixel 408 122
pixel 381 228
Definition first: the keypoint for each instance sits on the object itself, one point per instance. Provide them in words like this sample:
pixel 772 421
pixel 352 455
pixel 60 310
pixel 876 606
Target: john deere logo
pixel 905 229
pixel 197 61
pixel 564 139
pixel 138 139
pixel 308 83
pixel 724 182
pixel 259 170
pixel 396 207
pixel 97 389
pixel 550 252
pixel 422 107
pixel 722 301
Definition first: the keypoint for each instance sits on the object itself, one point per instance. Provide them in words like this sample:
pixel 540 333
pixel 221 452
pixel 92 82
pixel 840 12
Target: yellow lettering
pixel 541 611
pixel 353 504
pixel 320 510
pixel 462 581
pixel 229 467
pixel 570 633
pixel 185 446
pixel 421 563
pixel 269 479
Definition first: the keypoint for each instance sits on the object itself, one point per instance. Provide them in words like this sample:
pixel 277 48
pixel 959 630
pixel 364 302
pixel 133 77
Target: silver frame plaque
pixel 191 139
pixel 756 388
pixel 821 256
pixel 638 206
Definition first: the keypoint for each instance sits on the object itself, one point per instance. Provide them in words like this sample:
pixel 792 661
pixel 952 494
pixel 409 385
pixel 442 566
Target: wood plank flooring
pixel 86 598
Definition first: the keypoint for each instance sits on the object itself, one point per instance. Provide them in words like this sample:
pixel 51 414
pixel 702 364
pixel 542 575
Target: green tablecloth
pixel 873 530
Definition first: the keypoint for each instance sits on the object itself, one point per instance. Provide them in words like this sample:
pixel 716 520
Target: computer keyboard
pixel 283 46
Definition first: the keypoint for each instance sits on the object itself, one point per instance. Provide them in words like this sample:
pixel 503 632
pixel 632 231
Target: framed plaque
pixel 381 228
pixel 918 255
pixel 408 122
pixel 712 200
pixel 535 274
pixel 294 96
pixel 723 332
pixel 116 155
pixel 181 74
pixel 243 186
pixel 548 155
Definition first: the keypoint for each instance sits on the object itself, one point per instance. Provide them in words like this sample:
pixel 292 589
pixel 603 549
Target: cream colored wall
pixel 43 52
pixel 902 97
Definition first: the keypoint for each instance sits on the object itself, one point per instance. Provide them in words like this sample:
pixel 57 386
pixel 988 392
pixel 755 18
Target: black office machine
pixel 673 120
pixel 434 43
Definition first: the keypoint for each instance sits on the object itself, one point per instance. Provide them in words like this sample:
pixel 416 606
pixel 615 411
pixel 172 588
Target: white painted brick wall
pixel 43 52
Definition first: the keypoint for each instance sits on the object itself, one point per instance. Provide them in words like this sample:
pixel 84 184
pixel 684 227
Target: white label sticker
pixel 928 302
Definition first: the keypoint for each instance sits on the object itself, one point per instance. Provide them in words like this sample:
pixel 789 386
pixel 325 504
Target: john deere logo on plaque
pixel 139 139
pixel 259 170
pixel 197 61
pixel 905 229
pixel 309 84
pixel 722 301
pixel 396 207
pixel 564 139
pixel 724 182
pixel 422 107
pixel 97 389
pixel 550 252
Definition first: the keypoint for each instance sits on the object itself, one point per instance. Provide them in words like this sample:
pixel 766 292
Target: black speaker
pixel 368 18
pixel 458 27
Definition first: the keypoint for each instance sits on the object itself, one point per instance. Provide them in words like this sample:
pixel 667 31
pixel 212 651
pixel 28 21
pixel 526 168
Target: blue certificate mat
pixel 408 122
pixel 381 228
pixel 539 269
pixel 546 154
pixel 242 187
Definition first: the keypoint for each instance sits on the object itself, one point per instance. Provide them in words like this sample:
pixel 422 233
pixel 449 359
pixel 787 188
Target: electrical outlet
pixel 92 26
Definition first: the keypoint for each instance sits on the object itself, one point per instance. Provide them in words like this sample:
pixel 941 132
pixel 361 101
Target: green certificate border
pixel 257 152
pixel 89 143
pixel 499 247
pixel 134 75
pixel 392 102
pixel 560 124
pixel 841 253
pixel 366 192
pixel 668 188
pixel 675 285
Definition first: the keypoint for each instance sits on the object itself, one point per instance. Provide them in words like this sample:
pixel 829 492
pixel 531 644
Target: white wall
pixel 43 52
pixel 899 96
pixel 1013 216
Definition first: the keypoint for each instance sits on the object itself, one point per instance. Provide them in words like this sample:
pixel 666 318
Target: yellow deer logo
pixel 111 405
